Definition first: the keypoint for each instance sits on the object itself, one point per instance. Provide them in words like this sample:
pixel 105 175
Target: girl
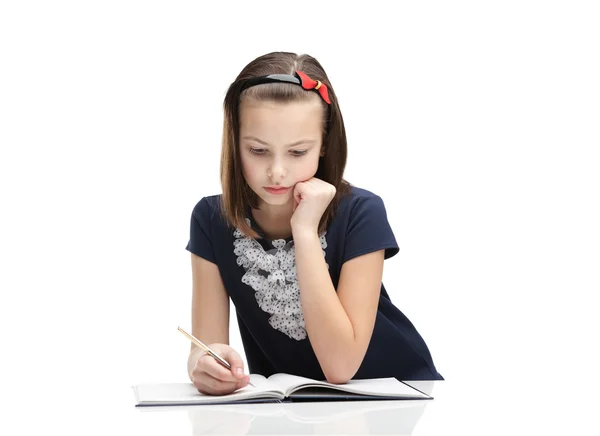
pixel 297 249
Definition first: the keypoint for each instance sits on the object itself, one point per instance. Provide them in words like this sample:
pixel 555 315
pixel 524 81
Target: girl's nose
pixel 276 172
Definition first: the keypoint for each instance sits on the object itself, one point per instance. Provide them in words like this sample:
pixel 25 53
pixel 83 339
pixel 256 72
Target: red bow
pixel 308 83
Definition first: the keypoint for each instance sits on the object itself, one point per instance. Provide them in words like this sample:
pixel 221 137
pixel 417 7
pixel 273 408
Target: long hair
pixel 237 195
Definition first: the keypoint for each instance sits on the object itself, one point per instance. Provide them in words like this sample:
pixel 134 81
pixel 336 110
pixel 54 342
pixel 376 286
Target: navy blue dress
pixel 260 278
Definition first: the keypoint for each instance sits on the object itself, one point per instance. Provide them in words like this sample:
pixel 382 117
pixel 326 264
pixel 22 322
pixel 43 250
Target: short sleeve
pixel 369 229
pixel 200 242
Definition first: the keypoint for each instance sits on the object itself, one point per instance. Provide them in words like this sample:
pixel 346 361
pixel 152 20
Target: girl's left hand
pixel 311 199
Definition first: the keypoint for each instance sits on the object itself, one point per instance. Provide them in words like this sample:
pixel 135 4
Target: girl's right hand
pixel 212 378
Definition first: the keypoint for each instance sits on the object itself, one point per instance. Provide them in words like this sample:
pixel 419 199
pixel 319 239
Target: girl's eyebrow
pixel 303 141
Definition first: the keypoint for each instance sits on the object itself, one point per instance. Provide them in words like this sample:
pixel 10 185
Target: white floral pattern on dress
pixel 272 275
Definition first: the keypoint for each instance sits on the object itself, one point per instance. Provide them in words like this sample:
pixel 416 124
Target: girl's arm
pixel 210 307
pixel 339 325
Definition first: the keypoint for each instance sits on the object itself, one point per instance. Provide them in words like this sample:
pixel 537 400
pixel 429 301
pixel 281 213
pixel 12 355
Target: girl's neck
pixel 274 221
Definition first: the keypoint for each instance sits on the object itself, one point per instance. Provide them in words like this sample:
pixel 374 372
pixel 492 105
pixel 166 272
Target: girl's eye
pixel 261 151
pixel 258 151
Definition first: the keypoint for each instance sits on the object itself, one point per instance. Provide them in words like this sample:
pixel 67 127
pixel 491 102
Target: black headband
pixel 299 78
pixel 271 78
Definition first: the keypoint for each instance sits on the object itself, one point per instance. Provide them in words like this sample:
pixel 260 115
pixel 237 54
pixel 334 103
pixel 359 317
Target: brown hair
pixel 237 195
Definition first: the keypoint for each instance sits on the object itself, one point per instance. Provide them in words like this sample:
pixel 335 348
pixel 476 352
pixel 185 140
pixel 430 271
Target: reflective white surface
pixel 552 407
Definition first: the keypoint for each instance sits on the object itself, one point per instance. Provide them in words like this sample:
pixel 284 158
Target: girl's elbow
pixel 339 369
pixel 340 375
pixel 337 379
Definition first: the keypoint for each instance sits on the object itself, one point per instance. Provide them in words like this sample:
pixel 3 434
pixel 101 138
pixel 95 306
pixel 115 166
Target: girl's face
pixel 280 145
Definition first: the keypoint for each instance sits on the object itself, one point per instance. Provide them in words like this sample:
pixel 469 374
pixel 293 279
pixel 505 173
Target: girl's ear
pixel 322 151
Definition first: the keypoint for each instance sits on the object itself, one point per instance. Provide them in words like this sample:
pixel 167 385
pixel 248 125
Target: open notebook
pixel 279 387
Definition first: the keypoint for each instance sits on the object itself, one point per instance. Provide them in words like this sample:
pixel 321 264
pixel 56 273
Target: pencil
pixel 200 344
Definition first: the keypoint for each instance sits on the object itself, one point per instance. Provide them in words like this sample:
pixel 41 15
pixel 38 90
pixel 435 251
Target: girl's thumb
pixel 237 365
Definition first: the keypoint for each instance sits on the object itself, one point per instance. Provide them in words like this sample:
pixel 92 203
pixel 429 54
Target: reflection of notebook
pixel 338 411
pixel 369 417
pixel 279 387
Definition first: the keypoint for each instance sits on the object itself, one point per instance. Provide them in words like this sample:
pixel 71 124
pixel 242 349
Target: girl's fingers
pixel 211 386
pixel 208 365
pixel 244 381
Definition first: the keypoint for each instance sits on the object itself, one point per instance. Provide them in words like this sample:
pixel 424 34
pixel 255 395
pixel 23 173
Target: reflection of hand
pixel 211 378
pixel 207 421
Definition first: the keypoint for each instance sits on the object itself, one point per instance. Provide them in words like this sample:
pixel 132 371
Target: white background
pixel 476 122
